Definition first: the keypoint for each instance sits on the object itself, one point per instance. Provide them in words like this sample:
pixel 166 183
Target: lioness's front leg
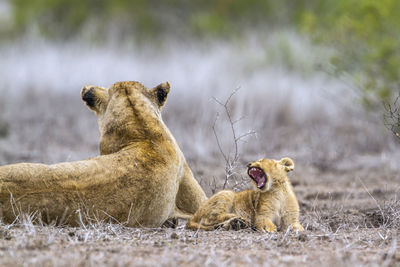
pixel 190 194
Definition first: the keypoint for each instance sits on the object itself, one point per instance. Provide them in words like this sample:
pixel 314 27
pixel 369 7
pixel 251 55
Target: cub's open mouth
pixel 258 176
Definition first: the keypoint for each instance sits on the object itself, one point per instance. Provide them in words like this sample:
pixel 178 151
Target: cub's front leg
pixel 290 214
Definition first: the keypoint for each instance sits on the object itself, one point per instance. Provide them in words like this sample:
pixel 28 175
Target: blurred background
pixel 315 78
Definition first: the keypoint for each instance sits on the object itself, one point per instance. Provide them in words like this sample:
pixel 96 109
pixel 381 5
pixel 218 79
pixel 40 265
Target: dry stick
pixel 230 162
pixel 217 139
pixel 129 215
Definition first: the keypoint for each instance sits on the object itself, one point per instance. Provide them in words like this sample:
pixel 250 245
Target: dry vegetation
pixel 346 176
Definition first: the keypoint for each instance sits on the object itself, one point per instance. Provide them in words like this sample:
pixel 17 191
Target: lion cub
pixel 272 201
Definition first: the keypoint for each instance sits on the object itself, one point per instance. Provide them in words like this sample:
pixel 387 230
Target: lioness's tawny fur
pixel 141 177
pixel 272 202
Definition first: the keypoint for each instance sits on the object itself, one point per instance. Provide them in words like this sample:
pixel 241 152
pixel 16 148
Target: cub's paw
pixel 236 224
pixel 269 227
pixel 296 227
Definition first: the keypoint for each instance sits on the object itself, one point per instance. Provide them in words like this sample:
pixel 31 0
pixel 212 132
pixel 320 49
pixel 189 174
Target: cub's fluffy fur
pixel 272 202
pixel 141 177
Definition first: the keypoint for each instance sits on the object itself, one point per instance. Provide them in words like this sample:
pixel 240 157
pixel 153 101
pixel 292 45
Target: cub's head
pixel 126 112
pixel 264 172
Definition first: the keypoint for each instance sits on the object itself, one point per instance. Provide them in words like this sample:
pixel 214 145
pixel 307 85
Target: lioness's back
pixel 141 177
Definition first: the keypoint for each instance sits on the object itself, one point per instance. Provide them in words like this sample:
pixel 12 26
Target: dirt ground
pixel 351 217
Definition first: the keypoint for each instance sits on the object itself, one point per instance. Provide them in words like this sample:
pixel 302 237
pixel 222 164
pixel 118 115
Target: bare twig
pixel 217 139
pixel 231 159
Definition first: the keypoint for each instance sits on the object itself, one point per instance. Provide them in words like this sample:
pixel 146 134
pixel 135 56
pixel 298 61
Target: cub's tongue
pixel 258 176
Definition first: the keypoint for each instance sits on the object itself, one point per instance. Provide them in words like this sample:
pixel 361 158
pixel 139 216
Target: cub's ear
pixel 95 97
pixel 160 92
pixel 287 163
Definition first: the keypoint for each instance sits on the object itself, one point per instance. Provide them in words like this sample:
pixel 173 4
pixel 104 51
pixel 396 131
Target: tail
pixel 196 226
pixel 177 213
pixel 191 223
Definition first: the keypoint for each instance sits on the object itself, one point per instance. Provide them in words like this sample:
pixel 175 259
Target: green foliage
pixel 52 16
pixel 366 35
pixel 64 18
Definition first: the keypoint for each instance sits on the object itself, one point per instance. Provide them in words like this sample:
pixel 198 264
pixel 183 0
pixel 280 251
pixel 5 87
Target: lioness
pixel 273 201
pixel 141 177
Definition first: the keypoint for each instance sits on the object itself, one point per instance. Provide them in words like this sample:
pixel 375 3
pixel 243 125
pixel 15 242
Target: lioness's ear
pixel 287 163
pixel 161 92
pixel 94 97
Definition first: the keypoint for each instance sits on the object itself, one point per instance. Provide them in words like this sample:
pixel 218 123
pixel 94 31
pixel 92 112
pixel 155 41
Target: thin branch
pixel 231 159
pixel 217 139
pixel 245 135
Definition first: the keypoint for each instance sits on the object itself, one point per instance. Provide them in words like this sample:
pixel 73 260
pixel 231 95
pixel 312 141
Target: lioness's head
pixel 127 112
pixel 263 172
